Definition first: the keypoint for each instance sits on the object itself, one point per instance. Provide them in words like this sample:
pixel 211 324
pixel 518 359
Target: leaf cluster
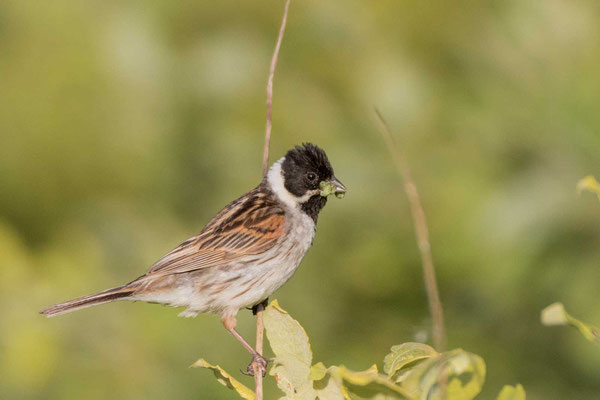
pixel 410 371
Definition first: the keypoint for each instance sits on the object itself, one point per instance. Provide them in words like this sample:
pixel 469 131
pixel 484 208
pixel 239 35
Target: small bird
pixel 244 254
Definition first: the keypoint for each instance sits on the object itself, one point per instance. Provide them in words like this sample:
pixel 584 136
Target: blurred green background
pixel 126 125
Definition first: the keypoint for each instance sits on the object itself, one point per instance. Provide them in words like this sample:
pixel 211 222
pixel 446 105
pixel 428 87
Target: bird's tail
pixel 106 296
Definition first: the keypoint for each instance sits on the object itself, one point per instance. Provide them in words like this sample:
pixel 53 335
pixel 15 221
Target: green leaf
pixel 293 356
pixel 463 372
pixel 555 314
pixel 590 184
pixel 317 372
pixel 292 378
pixel 326 386
pixel 406 355
pixel 512 393
pixel 330 388
pixel 286 336
pixel 225 379
pixel 368 384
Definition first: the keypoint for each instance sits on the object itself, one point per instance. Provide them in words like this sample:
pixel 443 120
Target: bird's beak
pixel 333 186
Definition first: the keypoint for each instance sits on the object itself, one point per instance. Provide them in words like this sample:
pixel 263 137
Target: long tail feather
pixel 106 296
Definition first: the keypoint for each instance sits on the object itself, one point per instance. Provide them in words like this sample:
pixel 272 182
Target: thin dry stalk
pixel 274 60
pixel 258 379
pixel 422 233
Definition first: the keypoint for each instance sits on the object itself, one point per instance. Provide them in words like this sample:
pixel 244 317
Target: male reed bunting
pixel 244 254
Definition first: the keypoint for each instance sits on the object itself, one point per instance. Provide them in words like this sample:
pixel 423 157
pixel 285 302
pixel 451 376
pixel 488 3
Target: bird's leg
pixel 263 303
pixel 229 322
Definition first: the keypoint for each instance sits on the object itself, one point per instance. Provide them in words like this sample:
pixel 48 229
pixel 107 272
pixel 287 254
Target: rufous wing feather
pixel 250 225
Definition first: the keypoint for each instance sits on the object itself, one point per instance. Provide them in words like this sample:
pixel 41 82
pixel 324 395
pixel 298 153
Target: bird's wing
pixel 249 226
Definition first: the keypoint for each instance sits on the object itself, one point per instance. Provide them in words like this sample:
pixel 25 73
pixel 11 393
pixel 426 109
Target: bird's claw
pixel 261 365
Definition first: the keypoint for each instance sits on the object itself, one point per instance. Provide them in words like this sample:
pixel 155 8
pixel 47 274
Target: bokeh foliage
pixel 126 125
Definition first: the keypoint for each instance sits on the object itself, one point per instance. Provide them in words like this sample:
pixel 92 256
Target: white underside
pixel 223 289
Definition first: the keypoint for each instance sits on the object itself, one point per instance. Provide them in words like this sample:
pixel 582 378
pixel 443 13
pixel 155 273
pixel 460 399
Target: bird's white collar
pixel 276 184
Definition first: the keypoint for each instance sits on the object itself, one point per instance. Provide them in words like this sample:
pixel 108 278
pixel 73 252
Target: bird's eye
pixel 311 176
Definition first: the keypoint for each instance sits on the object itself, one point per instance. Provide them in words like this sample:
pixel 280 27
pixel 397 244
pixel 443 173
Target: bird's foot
pixel 258 363
pixel 263 304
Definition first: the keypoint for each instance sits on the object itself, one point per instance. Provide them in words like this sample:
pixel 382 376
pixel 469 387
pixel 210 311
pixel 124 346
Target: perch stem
pixel 258 379
pixel 274 59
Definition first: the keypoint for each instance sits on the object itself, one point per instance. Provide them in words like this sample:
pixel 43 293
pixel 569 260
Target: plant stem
pixel 274 59
pixel 422 233
pixel 258 379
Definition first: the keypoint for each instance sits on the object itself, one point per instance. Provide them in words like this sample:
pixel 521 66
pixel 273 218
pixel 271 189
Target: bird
pixel 244 254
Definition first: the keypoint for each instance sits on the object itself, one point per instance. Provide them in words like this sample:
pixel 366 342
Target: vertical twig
pixel 422 233
pixel 265 165
pixel 258 378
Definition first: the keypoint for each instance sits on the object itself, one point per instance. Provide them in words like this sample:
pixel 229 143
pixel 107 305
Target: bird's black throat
pixel 313 206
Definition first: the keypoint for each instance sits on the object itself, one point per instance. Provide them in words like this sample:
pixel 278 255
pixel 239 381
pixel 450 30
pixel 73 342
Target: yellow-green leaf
pixel 330 388
pixel 404 355
pixel 326 386
pixel 317 372
pixel 463 373
pixel 293 356
pixel 368 384
pixel 225 379
pixel 555 314
pixel 512 393
pixel 590 184
pixel 291 376
pixel 286 336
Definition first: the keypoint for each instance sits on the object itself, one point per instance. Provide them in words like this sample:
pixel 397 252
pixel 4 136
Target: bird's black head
pixel 308 176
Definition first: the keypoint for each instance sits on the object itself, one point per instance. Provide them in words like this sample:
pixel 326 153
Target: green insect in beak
pixel 333 186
